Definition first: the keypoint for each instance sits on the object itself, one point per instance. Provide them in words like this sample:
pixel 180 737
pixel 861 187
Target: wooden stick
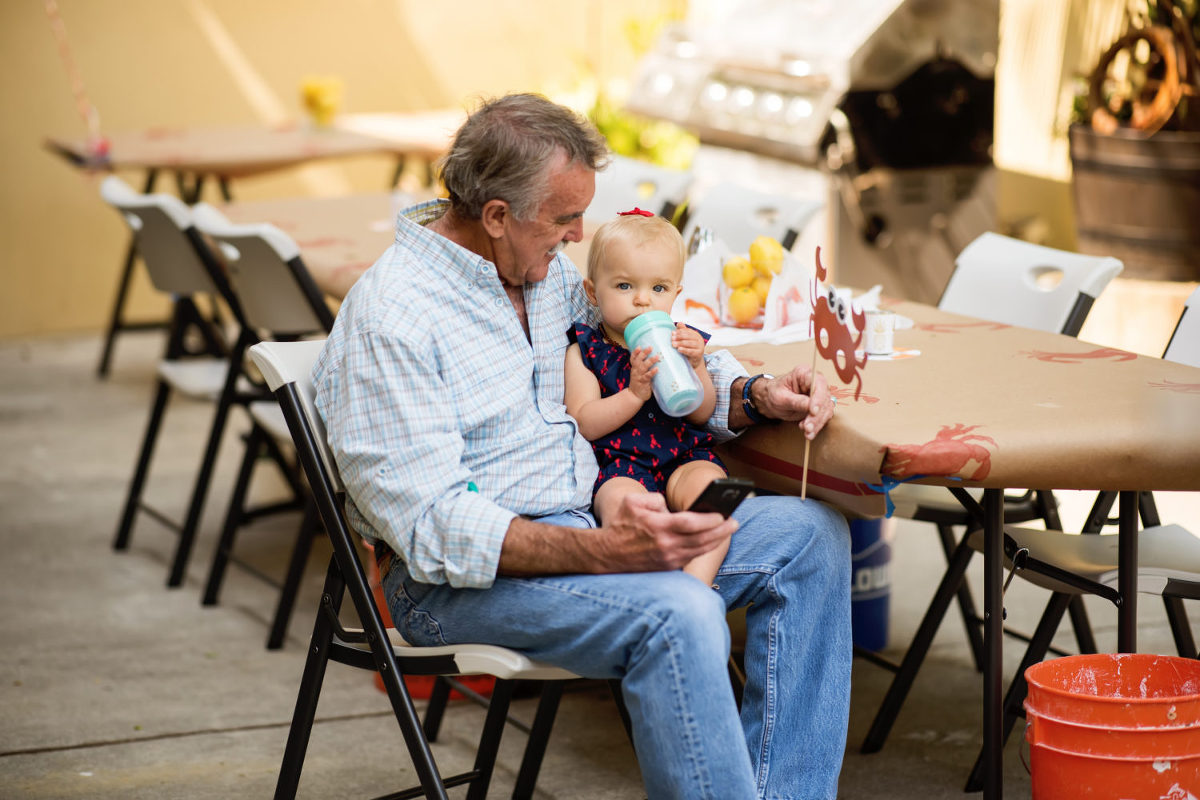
pixel 812 382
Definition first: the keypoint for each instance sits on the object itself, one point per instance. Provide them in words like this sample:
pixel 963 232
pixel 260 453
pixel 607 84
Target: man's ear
pixel 589 289
pixel 495 218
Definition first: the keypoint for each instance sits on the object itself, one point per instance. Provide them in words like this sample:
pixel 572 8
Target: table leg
pixel 993 643
pixel 1127 568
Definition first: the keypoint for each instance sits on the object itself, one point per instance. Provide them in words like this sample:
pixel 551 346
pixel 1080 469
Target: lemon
pixel 761 286
pixel 737 272
pixel 742 305
pixel 766 255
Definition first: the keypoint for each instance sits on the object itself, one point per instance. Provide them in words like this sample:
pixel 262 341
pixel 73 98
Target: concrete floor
pixel 113 686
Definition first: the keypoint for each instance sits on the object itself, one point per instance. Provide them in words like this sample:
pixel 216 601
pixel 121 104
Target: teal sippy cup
pixel 676 385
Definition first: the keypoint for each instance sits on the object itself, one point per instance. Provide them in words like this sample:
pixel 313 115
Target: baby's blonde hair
pixel 638 231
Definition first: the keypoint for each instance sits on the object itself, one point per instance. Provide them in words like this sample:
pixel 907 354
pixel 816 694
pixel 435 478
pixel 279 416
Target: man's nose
pixel 575 231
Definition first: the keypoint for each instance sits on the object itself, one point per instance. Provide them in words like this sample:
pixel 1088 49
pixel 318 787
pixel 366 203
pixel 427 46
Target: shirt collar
pixel 412 232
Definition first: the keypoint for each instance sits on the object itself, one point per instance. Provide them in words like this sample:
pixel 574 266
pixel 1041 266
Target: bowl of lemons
pixel 746 282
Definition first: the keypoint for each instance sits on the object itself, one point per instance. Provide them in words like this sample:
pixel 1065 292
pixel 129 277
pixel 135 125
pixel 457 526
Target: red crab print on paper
pixel 1099 354
pixel 846 394
pixel 832 338
pixel 959 327
pixel 950 451
pixel 1172 386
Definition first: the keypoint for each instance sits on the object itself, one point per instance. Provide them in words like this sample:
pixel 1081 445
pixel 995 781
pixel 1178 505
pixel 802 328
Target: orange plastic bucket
pixel 1114 726
pixel 419 686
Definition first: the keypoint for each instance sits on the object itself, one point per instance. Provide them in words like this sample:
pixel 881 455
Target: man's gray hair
pixel 503 150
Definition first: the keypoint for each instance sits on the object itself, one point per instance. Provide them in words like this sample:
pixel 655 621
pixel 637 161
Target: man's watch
pixel 748 404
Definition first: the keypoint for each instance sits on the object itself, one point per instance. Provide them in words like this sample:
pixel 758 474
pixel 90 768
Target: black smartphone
pixel 723 495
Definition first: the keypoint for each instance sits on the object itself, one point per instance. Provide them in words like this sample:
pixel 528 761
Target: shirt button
pixel 499 301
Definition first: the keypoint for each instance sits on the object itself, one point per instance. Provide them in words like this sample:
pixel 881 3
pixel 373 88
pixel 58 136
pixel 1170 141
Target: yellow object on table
pixel 322 97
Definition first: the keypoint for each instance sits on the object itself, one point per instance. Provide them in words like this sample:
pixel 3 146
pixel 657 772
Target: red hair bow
pixel 636 210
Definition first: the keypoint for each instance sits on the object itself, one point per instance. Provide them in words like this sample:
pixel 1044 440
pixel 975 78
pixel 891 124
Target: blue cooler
pixel 870 583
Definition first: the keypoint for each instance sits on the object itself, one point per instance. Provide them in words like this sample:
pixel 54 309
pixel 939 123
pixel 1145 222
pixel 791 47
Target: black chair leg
pixel 1185 643
pixel 1039 644
pixel 489 741
pixel 310 691
pixel 114 322
pixel 539 737
pixel 966 601
pixel 187 532
pixel 1084 639
pixel 309 526
pixel 439 696
pixel 233 517
pixel 134 498
pixel 947 590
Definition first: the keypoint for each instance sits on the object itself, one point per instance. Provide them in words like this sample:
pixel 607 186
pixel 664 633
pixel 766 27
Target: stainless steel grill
pixel 891 99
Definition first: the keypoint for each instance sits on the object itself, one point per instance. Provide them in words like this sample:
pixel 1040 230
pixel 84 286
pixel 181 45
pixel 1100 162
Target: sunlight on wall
pixel 263 101
pixel 1044 46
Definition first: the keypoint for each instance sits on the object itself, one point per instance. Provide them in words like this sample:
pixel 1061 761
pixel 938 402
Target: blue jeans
pixel 664 635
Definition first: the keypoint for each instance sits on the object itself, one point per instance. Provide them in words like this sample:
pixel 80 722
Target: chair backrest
pixel 1184 345
pixel 164 233
pixel 737 216
pixel 288 366
pixel 627 182
pixel 275 289
pixel 1007 280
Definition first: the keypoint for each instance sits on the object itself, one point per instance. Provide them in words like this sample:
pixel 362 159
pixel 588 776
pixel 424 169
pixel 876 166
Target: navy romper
pixel 653 444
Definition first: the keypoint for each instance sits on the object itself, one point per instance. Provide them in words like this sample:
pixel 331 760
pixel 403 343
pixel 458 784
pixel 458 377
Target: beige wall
pixel 193 62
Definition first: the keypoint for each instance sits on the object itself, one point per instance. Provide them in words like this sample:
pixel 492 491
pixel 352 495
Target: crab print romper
pixel 650 446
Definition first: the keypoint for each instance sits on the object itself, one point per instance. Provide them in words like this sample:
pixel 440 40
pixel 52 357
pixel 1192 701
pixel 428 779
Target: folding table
pixel 196 154
pixel 998 407
pixel 342 236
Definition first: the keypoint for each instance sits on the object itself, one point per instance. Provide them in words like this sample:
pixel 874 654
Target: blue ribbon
pixel 887 483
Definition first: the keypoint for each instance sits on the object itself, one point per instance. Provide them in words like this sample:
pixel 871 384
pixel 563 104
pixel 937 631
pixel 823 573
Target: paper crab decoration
pixel 834 340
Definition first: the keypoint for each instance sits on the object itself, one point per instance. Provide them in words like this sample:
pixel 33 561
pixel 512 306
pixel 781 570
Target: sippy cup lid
pixel 644 323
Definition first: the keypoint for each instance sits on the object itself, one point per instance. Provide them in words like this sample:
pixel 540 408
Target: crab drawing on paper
pixel 1099 354
pixel 947 453
pixel 1174 386
pixel 832 338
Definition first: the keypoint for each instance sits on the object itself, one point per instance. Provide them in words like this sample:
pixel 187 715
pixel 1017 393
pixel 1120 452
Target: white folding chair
pixel 1006 280
pixel 179 263
pixel 1016 283
pixel 287 367
pixel 738 215
pixel 627 182
pixel 279 300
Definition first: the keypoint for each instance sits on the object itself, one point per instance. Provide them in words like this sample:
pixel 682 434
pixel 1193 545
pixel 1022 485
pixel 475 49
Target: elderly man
pixel 442 390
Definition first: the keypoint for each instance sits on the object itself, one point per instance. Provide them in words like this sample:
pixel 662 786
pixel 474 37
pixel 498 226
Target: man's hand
pixel 642 370
pixel 794 397
pixel 644 536
pixel 690 344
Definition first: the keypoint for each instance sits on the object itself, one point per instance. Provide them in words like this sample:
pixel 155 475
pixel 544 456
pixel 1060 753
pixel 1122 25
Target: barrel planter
pixel 1137 198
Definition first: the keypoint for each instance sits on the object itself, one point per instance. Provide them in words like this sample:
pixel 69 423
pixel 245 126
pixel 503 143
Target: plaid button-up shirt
pixel 428 382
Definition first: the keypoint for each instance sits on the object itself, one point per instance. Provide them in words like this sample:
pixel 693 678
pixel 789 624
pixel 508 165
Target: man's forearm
pixel 535 548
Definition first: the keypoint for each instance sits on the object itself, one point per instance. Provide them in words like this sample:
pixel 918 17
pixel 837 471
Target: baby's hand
pixel 689 343
pixel 642 370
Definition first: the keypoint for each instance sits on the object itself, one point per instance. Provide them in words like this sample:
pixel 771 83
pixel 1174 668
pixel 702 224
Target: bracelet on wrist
pixel 748 402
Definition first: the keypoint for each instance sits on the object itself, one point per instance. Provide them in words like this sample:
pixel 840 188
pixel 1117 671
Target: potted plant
pixel 1135 147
